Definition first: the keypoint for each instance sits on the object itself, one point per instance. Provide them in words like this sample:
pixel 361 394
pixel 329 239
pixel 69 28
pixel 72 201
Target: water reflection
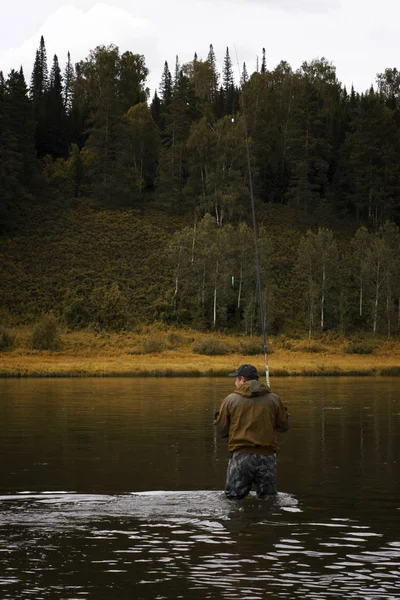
pixel 193 544
pixel 113 445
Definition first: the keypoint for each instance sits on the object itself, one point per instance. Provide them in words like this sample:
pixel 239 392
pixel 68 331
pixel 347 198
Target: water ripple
pixel 86 545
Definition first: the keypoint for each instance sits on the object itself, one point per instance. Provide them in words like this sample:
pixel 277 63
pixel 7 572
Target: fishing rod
pixel 253 210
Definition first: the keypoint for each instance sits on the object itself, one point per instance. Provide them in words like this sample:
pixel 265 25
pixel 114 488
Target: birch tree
pixel 360 245
pixel 316 265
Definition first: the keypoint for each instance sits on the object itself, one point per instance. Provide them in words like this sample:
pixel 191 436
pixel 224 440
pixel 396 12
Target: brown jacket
pixel 250 417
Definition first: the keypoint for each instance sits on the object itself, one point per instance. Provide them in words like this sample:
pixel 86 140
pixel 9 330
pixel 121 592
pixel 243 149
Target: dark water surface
pixel 112 489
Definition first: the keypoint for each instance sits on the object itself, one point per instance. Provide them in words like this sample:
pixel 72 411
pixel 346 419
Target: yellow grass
pixel 104 354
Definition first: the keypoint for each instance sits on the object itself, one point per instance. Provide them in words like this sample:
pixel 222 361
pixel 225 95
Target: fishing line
pixel 253 210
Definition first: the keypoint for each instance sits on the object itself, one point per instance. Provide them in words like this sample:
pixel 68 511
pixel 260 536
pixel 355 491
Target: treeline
pixel 90 132
pixel 315 148
pixel 327 285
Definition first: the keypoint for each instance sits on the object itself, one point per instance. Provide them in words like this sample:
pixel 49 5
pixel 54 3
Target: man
pixel 249 418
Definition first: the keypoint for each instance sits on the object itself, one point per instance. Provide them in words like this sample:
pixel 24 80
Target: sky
pixel 360 37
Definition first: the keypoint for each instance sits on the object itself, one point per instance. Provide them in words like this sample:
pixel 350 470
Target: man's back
pixel 250 416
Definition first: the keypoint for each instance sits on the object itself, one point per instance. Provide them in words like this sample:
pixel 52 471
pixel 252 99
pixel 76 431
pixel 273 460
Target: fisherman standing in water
pixel 250 417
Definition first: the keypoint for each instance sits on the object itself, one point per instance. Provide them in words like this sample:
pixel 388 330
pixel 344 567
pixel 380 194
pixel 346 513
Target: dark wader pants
pixel 244 469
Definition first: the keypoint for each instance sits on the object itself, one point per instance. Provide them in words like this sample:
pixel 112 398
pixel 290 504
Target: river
pixel 113 489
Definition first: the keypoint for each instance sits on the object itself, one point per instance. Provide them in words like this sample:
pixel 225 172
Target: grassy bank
pixel 155 351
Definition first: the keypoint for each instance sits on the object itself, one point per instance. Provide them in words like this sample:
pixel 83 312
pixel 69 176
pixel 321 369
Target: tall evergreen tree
pixel 263 62
pixel 68 78
pixel 40 77
pixel 166 86
pixel 156 109
pixel 228 85
pixel 211 59
pixel 245 76
pixel 52 126
pixel 16 142
pixel 177 72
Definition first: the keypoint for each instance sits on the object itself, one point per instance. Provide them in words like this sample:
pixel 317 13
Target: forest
pixel 117 207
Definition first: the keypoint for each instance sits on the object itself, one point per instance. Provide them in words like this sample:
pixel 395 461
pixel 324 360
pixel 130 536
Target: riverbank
pixel 186 353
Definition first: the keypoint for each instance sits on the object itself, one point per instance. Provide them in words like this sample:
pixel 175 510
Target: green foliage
pixel 6 339
pixel 110 307
pixel 105 307
pixel 153 345
pixel 359 348
pixel 251 347
pixel 177 340
pixel 311 348
pixel 212 347
pixel 254 347
pixel 317 155
pixel 45 335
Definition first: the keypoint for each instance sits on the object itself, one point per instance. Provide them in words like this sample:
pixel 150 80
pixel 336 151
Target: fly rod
pixel 253 211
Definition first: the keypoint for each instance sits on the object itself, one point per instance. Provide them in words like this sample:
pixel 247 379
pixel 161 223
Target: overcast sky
pixel 360 37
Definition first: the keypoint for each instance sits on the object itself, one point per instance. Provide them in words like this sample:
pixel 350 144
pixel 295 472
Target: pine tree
pixel 245 77
pixel 17 153
pixel 156 109
pixel 166 86
pixel 214 75
pixel 263 62
pixel 227 73
pixel 69 78
pixel 229 92
pixel 177 73
pixel 40 77
pixel 54 138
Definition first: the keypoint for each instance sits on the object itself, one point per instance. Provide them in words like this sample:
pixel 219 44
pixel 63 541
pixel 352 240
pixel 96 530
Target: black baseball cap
pixel 248 371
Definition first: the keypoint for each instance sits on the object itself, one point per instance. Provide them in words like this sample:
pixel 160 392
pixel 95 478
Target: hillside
pixel 72 250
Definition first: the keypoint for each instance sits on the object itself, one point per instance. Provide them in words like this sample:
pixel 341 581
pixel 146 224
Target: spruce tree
pixel 263 62
pixel 228 85
pixel 40 76
pixel 16 139
pixel 54 133
pixel 166 86
pixel 214 75
pixel 177 73
pixel 245 77
pixel 156 109
pixel 227 73
pixel 68 78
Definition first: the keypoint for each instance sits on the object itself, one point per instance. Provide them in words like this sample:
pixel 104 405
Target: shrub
pixel 212 347
pixel 313 348
pixel 6 339
pixel 254 347
pixel 359 348
pixel 110 307
pixel 152 345
pixel 284 343
pixel 77 312
pixel 175 340
pixel 45 335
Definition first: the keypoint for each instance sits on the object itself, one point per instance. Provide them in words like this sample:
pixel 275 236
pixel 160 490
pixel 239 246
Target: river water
pixel 113 489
